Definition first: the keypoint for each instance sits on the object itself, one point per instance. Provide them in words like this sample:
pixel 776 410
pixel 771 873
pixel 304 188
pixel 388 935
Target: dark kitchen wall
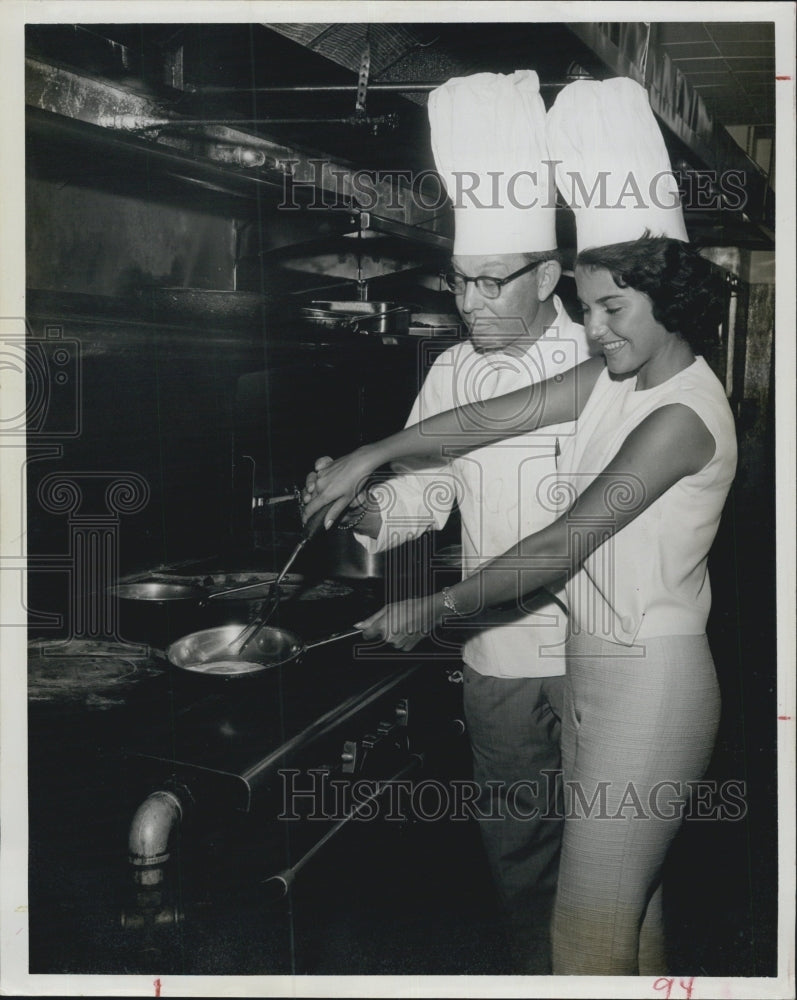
pixel 116 399
pixel 742 627
pixel 154 411
pixel 754 374
pixel 82 239
pixel 136 388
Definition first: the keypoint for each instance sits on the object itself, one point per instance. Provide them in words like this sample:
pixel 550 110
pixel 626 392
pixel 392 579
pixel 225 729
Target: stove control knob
pixel 402 712
pixel 349 756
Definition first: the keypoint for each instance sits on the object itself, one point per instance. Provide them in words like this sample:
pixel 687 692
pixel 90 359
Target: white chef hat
pixel 613 170
pixel 488 140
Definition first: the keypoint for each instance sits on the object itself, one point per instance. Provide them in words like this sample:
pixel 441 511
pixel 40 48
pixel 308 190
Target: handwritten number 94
pixel 665 985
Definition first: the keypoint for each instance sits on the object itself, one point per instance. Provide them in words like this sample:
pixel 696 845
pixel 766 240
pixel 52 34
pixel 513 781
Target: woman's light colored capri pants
pixel 629 724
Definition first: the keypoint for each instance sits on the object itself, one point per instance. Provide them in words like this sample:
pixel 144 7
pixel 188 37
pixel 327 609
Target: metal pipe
pixel 733 301
pixel 344 88
pixel 279 885
pixel 142 123
pixel 258 774
pixel 133 152
pixel 152 828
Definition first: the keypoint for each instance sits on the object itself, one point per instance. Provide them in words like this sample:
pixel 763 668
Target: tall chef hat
pixel 488 140
pixel 613 169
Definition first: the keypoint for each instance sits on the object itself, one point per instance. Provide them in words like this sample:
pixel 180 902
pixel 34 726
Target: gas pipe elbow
pixel 151 831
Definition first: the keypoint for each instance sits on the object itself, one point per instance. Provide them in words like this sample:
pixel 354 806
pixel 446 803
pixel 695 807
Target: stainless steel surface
pixel 151 829
pixel 89 672
pixel 281 499
pixel 290 561
pixel 226 584
pixel 368 222
pixel 347 558
pixel 138 123
pixel 202 303
pixel 207 652
pixel 280 885
pixel 409 87
pixel 157 592
pixel 239 590
pixel 160 592
pixel 79 100
pixel 310 530
pixel 359 316
pixel 266 610
pixel 333 638
pixel 436 324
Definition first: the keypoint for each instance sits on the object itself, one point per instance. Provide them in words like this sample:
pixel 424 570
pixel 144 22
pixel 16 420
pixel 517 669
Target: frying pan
pixel 231 651
pixel 359 317
pixel 161 592
pixel 207 652
pixel 245 638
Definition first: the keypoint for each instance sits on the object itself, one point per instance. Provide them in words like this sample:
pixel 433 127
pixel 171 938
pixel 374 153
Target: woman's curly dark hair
pixel 684 288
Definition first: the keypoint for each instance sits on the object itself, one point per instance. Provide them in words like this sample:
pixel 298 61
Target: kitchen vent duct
pixel 396 52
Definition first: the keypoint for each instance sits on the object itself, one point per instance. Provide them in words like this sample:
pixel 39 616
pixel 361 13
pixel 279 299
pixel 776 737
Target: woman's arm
pixel 672 442
pixel 556 400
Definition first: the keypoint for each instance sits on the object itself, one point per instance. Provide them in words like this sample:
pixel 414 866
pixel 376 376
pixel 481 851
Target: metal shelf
pixel 370 223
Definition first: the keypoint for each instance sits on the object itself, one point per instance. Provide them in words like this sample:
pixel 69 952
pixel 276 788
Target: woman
pixel 647 474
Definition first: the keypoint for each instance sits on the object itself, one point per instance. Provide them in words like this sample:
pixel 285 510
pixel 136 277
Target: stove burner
pixel 98 673
pixel 326 589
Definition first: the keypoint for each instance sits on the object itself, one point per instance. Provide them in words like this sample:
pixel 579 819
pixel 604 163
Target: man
pixel 503 274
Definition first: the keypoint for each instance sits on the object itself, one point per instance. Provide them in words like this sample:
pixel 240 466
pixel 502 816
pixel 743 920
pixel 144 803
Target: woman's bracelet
pixel 341 527
pixel 353 524
pixel 450 603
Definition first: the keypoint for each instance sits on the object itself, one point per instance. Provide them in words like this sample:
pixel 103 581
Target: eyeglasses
pixel 486 285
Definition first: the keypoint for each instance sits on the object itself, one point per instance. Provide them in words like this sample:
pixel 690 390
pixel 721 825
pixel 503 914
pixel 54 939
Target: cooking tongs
pixel 272 599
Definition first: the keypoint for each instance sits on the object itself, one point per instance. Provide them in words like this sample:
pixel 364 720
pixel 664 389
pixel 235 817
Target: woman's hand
pixel 404 623
pixel 312 477
pixel 338 482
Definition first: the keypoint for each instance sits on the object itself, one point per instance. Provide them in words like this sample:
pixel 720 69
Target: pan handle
pixel 316 522
pixel 311 529
pixel 333 638
pixel 234 590
pixel 356 321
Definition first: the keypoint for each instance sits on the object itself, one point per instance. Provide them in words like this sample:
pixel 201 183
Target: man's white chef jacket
pixel 504 492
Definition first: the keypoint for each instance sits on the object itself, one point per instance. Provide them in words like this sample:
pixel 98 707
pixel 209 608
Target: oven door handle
pixel 279 885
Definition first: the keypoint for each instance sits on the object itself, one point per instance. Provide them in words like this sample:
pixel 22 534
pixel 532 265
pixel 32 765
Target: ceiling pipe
pixel 345 88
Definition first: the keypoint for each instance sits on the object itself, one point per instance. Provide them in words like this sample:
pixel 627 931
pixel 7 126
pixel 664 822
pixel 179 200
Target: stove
pixel 212 767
